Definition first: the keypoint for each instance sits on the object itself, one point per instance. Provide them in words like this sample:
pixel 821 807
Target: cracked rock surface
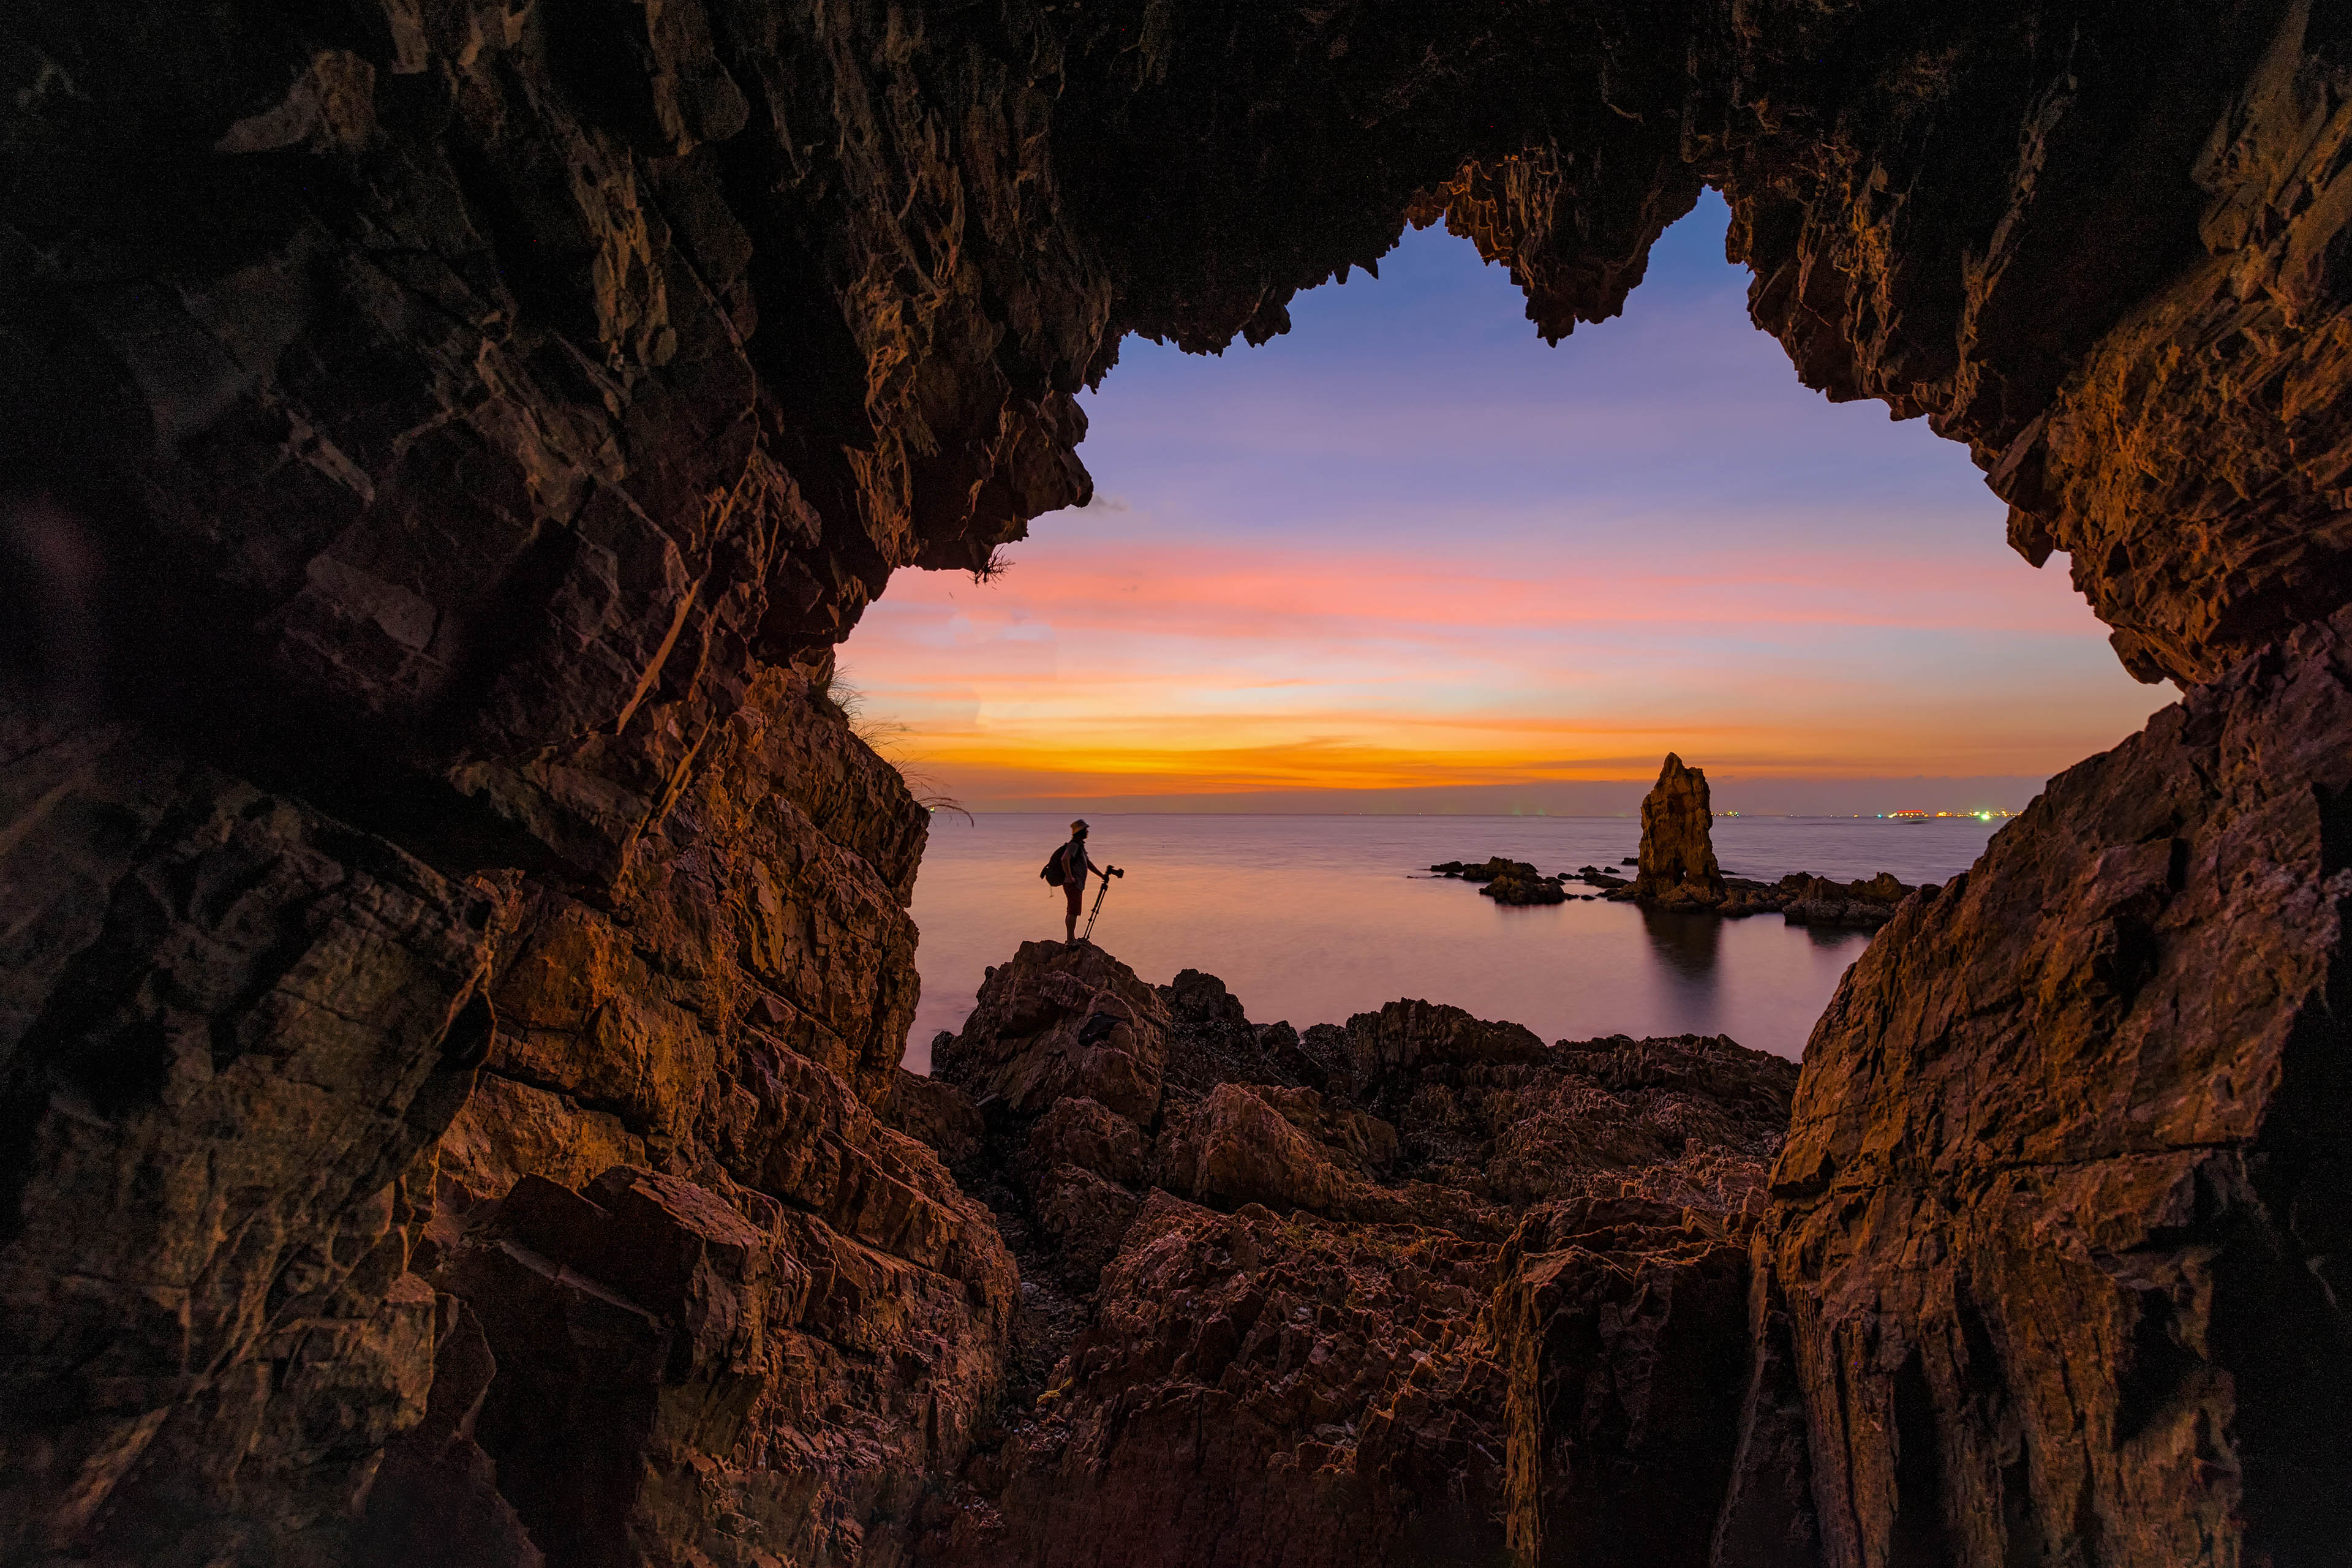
pixel 1462 1293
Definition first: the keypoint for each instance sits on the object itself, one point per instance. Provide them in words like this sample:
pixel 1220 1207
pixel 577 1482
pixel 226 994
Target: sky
pixel 1408 557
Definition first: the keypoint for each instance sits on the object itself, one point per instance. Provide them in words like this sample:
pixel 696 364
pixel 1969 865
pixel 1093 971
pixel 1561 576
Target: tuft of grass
pixel 997 564
pixel 837 696
pixel 935 802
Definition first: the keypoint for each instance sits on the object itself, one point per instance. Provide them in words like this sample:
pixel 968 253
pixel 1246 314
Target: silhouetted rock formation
pixel 1506 881
pixel 1523 885
pixel 1678 858
pixel 1805 899
pixel 1469 1290
pixel 455 437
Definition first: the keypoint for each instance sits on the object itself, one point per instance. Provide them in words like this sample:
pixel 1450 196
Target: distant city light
pixel 1914 814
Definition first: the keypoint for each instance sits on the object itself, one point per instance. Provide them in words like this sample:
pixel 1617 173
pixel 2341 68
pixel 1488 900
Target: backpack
pixel 1053 873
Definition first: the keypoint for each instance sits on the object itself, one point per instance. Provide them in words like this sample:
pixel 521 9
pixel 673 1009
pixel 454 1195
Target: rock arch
pixel 457 432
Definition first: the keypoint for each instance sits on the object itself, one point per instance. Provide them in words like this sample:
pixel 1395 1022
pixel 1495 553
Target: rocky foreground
pixel 1422 1289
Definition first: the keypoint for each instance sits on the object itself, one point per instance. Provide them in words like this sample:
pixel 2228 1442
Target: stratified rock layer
pixel 291 1078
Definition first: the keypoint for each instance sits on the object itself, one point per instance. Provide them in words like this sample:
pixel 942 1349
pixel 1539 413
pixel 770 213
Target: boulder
pixel 1235 1148
pixel 1522 885
pixel 1086 1217
pixel 1818 901
pixel 1327 1376
pixel 1061 1020
pixel 1505 880
pixel 1089 1135
pixel 1214 1043
pixel 1484 871
pixel 629 1325
pixel 1405 1034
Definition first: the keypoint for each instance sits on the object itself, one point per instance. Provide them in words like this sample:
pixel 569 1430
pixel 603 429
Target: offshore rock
pixel 1468 1288
pixel 1802 899
pixel 1677 858
pixel 1816 901
pixel 1506 881
pixel 2055 1236
pixel 1519 887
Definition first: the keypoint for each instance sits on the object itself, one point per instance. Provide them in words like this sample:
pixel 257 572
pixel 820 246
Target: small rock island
pixel 1678 868
pixel 1676 871
pixel 1507 881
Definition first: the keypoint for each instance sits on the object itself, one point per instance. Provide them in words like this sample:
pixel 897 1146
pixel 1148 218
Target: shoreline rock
pixel 1338 1271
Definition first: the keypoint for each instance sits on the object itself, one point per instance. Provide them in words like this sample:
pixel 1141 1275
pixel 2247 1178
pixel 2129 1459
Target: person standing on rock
pixel 1074 866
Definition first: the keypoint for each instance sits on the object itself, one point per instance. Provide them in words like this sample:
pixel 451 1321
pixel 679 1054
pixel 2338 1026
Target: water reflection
pixel 1685 944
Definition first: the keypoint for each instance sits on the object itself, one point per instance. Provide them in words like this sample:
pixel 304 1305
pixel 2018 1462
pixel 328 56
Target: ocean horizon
pixel 1313 917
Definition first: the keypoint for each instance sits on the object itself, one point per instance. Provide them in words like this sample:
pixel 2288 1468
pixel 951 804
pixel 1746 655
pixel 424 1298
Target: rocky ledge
pixel 1419 1289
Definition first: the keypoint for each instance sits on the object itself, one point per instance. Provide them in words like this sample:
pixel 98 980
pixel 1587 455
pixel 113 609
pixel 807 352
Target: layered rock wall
pixel 2058 1226
pixel 318 1102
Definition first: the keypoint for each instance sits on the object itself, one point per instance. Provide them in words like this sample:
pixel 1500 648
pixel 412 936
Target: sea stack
pixel 1678 868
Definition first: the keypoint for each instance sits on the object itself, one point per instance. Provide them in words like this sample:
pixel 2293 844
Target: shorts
pixel 1077 893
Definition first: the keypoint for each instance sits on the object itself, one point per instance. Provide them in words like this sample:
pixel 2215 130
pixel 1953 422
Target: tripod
pixel 1109 872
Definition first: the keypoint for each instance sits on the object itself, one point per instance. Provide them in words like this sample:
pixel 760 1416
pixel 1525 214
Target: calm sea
pixel 1314 917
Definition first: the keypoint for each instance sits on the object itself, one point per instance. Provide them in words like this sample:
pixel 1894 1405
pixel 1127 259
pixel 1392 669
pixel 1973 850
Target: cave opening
pixel 1405 559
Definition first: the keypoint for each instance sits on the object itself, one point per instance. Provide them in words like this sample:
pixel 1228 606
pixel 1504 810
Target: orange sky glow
pixel 1097 668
